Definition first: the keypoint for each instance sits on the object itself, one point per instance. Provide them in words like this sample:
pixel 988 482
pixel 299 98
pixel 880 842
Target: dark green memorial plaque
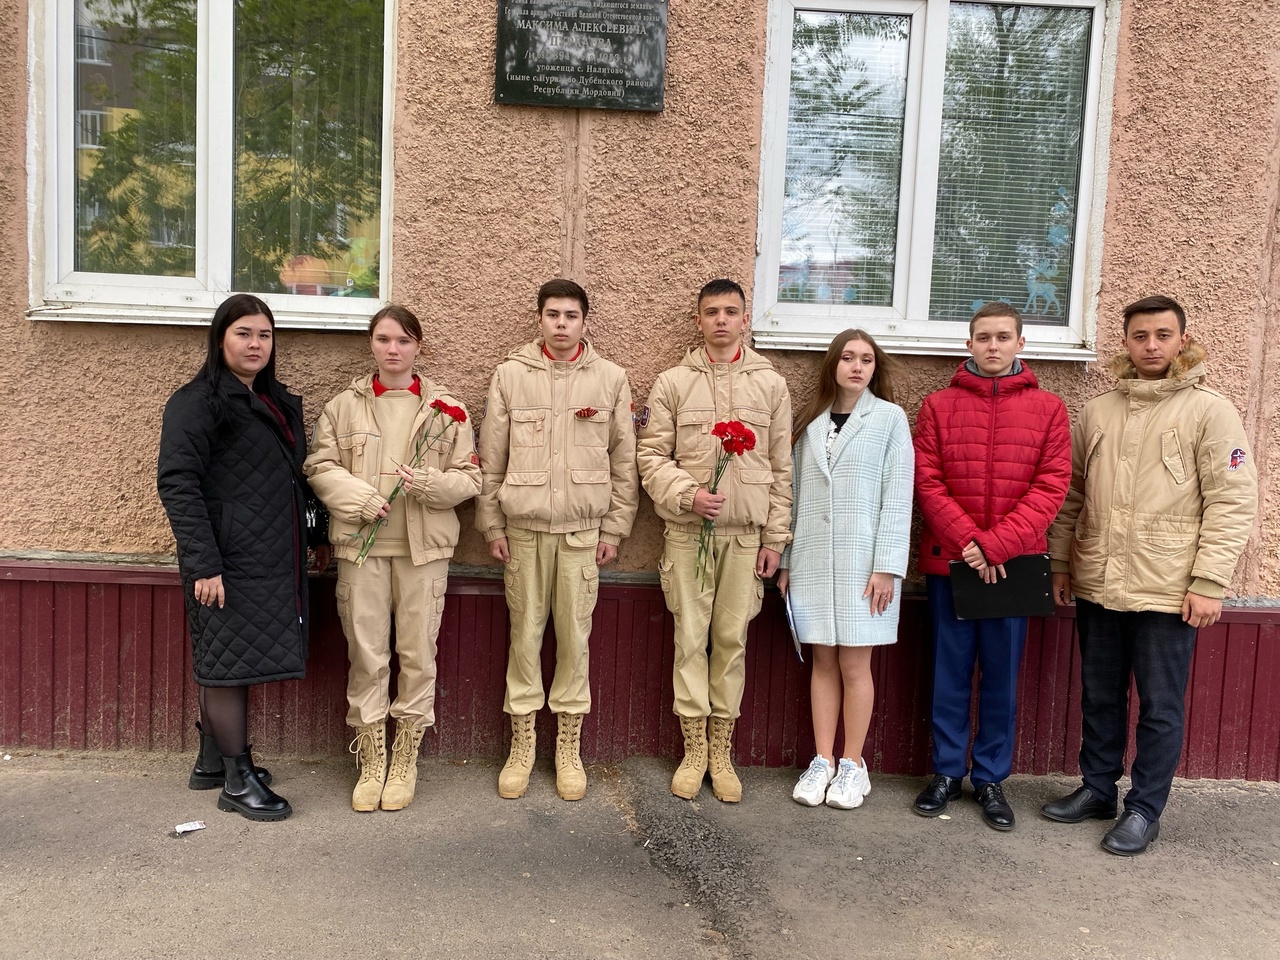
pixel 607 54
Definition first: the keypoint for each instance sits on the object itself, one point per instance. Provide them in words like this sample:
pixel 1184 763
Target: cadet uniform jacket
pixel 1163 491
pixel 677 453
pixel 558 447
pixel 346 454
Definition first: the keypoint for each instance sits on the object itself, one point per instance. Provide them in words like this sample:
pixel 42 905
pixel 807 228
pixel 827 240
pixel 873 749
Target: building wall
pixel 489 201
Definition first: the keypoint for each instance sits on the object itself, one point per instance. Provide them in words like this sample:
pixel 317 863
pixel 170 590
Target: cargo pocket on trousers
pixel 757 599
pixel 510 574
pixel 665 564
pixel 438 589
pixel 342 594
pixel 589 593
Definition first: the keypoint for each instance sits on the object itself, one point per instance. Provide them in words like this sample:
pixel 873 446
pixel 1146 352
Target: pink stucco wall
pixel 490 201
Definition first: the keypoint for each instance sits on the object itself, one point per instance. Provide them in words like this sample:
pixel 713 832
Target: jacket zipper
pixel 991 442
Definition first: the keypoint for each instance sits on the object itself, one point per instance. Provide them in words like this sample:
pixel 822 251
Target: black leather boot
pixel 209 773
pixel 245 794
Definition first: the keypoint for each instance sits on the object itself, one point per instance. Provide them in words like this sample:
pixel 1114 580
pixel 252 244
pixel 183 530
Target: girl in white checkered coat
pixel 851 521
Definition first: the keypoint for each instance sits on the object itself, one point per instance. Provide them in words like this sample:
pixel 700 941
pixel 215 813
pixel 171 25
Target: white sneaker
pixel 850 787
pixel 813 783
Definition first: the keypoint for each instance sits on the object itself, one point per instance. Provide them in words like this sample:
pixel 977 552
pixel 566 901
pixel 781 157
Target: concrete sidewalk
pixel 89 868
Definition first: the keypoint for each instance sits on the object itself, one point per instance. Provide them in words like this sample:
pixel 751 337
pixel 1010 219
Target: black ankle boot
pixel 244 793
pixel 209 773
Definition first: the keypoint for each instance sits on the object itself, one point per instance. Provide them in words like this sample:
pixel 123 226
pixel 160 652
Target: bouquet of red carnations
pixel 451 414
pixel 736 439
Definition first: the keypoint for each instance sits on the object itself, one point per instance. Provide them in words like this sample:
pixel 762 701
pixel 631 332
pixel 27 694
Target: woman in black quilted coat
pixel 230 478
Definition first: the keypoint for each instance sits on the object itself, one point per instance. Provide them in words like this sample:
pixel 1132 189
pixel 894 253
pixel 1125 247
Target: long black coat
pixel 236 499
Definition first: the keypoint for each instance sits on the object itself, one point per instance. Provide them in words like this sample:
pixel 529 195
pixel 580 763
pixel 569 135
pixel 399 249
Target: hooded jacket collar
pixel 1021 378
pixel 531 355
pixel 1186 371
pixel 696 357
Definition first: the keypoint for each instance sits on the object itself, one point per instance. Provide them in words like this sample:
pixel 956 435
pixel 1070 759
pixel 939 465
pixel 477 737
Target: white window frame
pixel 59 292
pixel 904 326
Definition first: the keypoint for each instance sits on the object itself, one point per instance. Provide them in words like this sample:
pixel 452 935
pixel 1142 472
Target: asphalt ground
pixel 90 867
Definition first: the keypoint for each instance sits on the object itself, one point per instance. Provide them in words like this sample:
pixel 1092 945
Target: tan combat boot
pixel 724 782
pixel 571 779
pixel 688 779
pixel 370 748
pixel 402 777
pixel 513 781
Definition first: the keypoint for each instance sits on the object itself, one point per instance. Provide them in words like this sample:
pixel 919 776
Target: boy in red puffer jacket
pixel 993 464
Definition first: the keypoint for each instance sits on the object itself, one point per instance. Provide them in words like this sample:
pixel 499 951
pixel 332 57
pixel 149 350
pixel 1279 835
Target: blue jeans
pixel 995 646
pixel 1155 650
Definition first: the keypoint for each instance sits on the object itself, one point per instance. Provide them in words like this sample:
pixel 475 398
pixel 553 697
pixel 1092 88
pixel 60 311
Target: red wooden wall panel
pixel 96 657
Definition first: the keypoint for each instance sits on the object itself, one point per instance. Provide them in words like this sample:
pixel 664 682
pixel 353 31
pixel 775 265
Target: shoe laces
pixel 521 745
pixel 818 773
pixel 565 741
pixel 402 752
pixel 365 748
pixel 844 776
pixel 993 791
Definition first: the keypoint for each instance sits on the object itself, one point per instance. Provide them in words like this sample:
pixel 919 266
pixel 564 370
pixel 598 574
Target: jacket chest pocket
pixel 1091 451
pixel 351 450
pixel 1171 454
pixel 528 428
pixel 591 427
pixel 693 431
pixel 757 458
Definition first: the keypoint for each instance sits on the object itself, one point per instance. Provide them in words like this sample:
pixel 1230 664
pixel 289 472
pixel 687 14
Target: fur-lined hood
pixel 1188 359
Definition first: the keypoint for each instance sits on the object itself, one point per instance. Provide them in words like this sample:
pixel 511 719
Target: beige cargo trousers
pixel 710 684
pixel 550 575
pixel 367 595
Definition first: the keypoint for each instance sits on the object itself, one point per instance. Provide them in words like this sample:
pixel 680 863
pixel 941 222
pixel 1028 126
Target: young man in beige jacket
pixel 1162 502
pixel 557 451
pixel 719 380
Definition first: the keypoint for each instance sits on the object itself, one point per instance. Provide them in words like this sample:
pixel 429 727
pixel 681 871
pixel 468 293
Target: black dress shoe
pixel 1132 835
pixel 934 798
pixel 996 812
pixel 1078 807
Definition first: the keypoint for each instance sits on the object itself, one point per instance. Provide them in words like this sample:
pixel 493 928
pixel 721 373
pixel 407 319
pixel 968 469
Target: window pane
pixel 1009 176
pixel 308 146
pixel 844 158
pixel 135 137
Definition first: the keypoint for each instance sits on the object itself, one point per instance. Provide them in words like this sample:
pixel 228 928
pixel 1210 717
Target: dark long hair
pixel 825 395
pixel 219 379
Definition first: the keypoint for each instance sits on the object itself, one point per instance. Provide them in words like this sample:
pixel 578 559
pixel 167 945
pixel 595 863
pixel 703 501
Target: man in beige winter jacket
pixel 720 380
pixel 1162 501
pixel 557 450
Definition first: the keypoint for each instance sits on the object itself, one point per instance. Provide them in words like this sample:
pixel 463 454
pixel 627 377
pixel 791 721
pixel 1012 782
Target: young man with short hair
pixel 720 379
pixel 1162 501
pixel 993 461
pixel 557 448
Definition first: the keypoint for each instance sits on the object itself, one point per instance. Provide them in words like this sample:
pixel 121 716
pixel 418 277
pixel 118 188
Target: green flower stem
pixel 424 444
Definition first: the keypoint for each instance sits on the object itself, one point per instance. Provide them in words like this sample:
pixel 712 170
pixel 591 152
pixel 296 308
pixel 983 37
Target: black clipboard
pixel 1026 591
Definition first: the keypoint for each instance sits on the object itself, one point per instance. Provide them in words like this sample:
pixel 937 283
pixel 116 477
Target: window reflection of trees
pixel 1013 118
pixel 844 158
pixel 308 151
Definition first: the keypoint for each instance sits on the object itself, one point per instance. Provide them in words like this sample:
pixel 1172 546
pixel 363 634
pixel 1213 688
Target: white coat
pixel 851 518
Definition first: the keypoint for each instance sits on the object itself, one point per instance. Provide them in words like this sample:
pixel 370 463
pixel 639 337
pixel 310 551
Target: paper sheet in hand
pixel 791 625
pixel 1026 591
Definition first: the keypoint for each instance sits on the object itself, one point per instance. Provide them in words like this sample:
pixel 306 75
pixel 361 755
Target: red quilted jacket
pixel 993 464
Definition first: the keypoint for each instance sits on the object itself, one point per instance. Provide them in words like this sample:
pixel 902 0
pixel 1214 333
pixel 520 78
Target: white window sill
pixel 920 346
pixel 357 319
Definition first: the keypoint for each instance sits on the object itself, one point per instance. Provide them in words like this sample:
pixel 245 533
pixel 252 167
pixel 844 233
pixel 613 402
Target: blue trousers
pixel 995 646
pixel 1155 650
